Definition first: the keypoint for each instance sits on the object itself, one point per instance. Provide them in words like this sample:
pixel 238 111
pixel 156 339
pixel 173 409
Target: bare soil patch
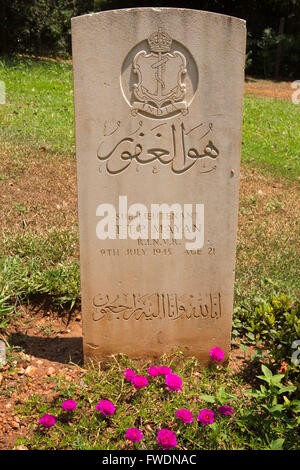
pixel 48 347
pixel 268 88
pixel 38 190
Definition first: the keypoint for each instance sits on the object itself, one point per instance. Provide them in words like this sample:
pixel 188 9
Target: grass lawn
pixel 271 136
pixel 39 113
pixel 39 104
pixel 37 145
pixel 39 260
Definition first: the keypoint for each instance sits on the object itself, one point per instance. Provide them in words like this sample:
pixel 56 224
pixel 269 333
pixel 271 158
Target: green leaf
pixel 263 388
pixel 208 398
pixel 290 388
pixel 296 405
pixel 262 377
pixel 266 371
pixel 220 394
pixel 276 408
pixel 277 444
pixel 277 378
pixel 250 335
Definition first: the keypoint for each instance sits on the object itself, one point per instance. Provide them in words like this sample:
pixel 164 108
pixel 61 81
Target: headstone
pixel 2 352
pixel 158 111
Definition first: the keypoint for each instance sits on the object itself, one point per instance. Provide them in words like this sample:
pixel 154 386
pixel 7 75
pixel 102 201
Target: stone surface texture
pixel 158 110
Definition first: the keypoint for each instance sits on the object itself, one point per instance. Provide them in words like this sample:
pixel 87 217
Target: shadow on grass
pixel 58 349
pixel 45 303
pixel 249 368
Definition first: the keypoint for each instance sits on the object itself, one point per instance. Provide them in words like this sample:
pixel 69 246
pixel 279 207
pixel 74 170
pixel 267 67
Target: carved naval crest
pixel 160 90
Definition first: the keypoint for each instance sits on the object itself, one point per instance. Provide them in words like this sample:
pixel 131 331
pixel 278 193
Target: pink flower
pixel 162 370
pixel 47 420
pixel 225 410
pixel 139 381
pixel 129 374
pixel 69 405
pixel 206 417
pixel 173 382
pixel 216 354
pixel 283 367
pixel 106 407
pixel 166 438
pixel 133 435
pixel 153 371
pixel 185 415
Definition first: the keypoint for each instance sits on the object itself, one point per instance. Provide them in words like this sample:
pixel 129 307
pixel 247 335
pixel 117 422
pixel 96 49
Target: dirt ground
pixel 51 346
pixel 51 340
pixel 268 88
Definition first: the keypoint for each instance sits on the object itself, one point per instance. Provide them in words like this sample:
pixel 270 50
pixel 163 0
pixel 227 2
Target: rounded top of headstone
pixel 159 10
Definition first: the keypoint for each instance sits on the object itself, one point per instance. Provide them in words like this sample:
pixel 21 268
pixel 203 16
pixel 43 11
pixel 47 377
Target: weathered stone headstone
pixel 2 352
pixel 158 111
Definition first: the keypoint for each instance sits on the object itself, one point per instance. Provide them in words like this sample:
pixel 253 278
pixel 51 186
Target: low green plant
pixel 276 325
pixel 33 265
pixel 276 413
pixel 6 309
pixel 256 419
pixel 269 395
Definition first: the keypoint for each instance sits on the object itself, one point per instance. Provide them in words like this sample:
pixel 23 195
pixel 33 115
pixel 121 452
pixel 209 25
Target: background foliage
pixel 42 27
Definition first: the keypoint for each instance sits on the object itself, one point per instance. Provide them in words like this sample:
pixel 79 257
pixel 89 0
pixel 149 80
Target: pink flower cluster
pixel 173 381
pixel 153 371
pixel 225 410
pixel 205 416
pixel 48 420
pixel 133 435
pixel 105 407
pixel 163 370
pixel 184 415
pixel 69 405
pixel 138 381
pixel 165 438
pixel 129 374
pixel 216 354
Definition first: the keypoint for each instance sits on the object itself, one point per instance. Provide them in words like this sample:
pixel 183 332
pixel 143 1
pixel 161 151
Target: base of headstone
pixel 96 355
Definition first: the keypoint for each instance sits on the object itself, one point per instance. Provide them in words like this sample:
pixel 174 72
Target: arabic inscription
pixel 167 144
pixel 157 306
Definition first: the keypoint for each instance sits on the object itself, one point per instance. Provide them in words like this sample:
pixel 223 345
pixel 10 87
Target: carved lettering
pixel 185 148
pixel 153 306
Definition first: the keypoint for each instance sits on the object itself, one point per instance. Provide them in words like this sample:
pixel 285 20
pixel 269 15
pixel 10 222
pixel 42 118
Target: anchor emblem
pixel 160 90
